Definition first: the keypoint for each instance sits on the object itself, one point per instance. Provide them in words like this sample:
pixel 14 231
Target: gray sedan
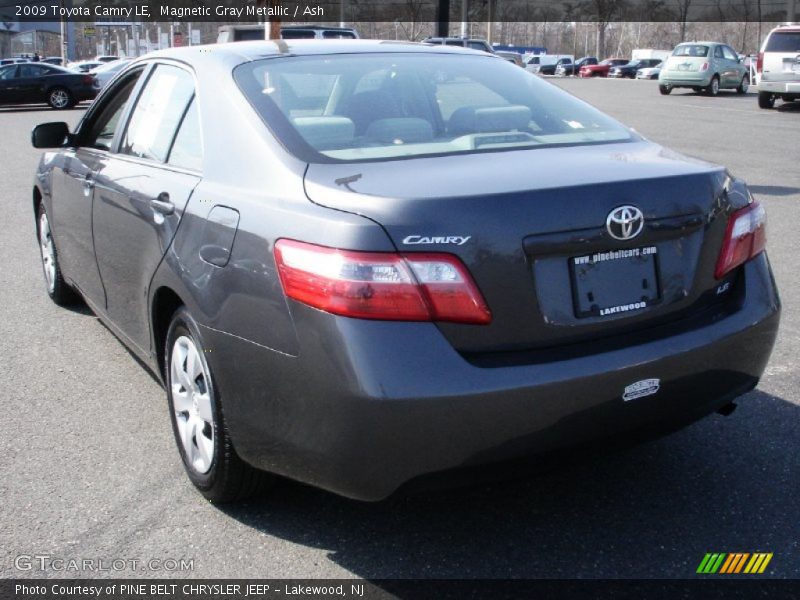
pixel 354 263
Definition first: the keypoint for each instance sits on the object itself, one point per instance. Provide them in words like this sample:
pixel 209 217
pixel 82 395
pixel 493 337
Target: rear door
pixel 141 193
pixel 782 56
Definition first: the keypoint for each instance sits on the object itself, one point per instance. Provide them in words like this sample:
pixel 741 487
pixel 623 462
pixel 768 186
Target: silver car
pixel 778 66
pixel 703 66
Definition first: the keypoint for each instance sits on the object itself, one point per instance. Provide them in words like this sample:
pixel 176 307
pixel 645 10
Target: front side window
pixel 379 106
pixel 7 72
pixel 157 113
pixel 729 54
pixel 103 123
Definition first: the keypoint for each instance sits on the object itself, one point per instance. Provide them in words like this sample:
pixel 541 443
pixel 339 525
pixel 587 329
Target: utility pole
pixel 443 18
pixel 64 40
pixel 341 13
pixel 489 17
pixel 464 17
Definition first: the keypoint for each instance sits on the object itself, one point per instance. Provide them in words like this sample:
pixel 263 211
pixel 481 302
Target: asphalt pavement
pixel 89 469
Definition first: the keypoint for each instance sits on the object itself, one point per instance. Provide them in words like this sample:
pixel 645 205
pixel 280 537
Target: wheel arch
pixel 165 302
pixel 38 197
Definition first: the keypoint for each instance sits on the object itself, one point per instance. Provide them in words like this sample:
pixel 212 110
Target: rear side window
pixel 338 35
pixel 187 151
pixel 158 112
pixel 31 71
pixel 784 41
pixel 8 72
pixel 297 34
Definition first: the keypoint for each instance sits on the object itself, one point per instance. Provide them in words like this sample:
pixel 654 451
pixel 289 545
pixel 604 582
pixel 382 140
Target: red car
pixel 601 70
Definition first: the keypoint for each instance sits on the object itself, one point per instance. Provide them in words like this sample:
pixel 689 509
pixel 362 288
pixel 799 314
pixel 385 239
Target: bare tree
pixel 604 12
pixel 683 13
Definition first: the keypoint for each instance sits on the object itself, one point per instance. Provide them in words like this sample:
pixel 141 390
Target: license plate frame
pixel 615 282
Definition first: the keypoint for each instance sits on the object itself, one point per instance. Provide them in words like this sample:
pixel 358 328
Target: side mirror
pixel 49 135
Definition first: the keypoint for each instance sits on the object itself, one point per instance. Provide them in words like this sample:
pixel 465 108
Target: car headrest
pixel 325 133
pixel 407 130
pixel 469 119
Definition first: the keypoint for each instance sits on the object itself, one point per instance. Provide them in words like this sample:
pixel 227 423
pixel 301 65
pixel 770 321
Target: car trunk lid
pixel 524 223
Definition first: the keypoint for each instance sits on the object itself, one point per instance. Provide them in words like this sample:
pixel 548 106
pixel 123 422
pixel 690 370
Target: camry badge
pixel 625 222
pixel 458 240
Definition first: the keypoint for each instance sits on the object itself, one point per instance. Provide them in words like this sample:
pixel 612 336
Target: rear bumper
pixel 369 405
pixel 684 79
pixel 779 87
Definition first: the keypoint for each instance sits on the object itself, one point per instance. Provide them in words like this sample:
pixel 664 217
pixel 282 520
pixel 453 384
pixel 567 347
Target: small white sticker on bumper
pixel 645 387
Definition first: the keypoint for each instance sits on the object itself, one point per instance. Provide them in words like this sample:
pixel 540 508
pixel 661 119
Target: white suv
pixel 778 66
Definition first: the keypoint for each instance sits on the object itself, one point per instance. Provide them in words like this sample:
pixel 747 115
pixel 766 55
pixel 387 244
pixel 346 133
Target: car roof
pixel 317 27
pixel 240 52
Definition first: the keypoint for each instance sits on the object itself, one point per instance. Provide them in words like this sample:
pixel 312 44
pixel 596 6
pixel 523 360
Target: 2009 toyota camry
pixel 355 263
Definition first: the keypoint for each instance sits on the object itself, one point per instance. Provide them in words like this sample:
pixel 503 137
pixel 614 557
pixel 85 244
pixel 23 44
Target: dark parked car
pixel 550 69
pixel 338 260
pixel 629 70
pixel 28 83
pixel 573 68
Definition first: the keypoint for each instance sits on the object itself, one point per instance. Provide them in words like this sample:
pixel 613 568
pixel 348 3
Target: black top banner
pixel 331 11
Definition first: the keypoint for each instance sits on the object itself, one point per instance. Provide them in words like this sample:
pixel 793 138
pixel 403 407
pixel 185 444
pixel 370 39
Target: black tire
pixel 744 84
pixel 713 86
pixel 665 89
pixel 60 98
pixel 229 478
pixel 59 291
pixel 766 100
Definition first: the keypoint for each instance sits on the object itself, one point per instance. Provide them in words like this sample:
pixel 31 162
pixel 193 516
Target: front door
pixel 73 183
pixel 8 86
pixel 139 197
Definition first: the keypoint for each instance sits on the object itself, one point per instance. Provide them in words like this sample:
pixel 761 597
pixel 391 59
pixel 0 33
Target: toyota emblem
pixel 625 222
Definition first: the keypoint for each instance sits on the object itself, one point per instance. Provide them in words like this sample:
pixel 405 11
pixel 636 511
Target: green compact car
pixel 703 66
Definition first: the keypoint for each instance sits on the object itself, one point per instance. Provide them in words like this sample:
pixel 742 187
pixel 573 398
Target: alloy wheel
pixel 59 98
pixel 48 252
pixel 192 403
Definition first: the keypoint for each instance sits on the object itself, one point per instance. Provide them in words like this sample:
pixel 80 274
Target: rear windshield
pixel 356 107
pixel 690 50
pixel 786 41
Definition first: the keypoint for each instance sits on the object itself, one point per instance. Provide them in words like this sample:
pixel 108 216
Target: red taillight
pixel 760 62
pixel 704 67
pixel 745 238
pixel 380 285
pixel 88 79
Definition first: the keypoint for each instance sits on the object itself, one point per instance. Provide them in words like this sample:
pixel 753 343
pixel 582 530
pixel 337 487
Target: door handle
pixel 162 204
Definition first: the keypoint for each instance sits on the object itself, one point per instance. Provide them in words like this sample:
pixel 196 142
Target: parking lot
pixel 89 468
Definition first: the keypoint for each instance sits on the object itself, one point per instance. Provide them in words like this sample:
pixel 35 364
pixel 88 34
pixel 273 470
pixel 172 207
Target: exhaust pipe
pixel 727 410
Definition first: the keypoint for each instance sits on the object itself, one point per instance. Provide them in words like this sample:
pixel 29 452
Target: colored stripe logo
pixel 735 562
